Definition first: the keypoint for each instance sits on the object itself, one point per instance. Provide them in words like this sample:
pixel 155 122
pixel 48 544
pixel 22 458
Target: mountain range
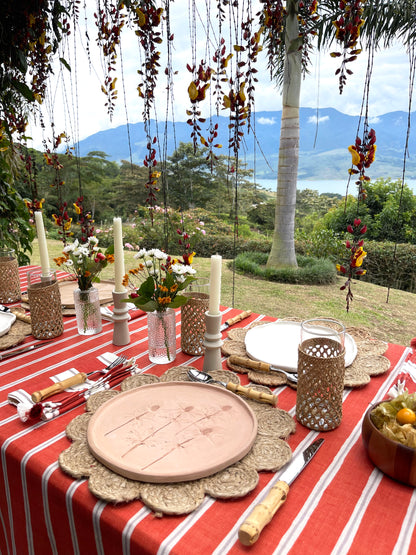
pixel 325 135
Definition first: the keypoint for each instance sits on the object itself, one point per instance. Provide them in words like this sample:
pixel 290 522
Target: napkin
pixel 406 379
pixel 107 312
pixel 47 410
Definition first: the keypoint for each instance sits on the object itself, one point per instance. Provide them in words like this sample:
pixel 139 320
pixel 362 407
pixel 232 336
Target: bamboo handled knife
pixel 263 513
pixel 261 367
pixel 57 387
pixel 232 321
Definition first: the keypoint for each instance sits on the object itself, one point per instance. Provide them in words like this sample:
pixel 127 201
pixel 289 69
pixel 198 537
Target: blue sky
pixel 87 115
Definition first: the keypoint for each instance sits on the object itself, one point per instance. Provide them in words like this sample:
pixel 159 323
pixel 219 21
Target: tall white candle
pixel 215 285
pixel 118 256
pixel 43 247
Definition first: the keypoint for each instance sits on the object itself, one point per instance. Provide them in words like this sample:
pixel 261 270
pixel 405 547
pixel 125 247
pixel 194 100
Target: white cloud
pixel 315 120
pixel 266 121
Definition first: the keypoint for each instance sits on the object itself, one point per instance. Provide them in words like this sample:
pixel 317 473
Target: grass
pixel 388 315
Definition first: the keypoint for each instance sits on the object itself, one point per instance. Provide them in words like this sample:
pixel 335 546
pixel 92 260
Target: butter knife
pixel 22 350
pixel 232 321
pixel 263 512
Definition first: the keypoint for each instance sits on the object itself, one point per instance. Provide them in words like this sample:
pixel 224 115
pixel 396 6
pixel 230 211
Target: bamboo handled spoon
pixel 202 377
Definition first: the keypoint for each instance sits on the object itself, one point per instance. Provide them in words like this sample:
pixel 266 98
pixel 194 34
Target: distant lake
pixel 325 185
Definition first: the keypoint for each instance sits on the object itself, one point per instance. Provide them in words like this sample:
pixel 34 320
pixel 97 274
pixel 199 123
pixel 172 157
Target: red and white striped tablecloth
pixel 340 504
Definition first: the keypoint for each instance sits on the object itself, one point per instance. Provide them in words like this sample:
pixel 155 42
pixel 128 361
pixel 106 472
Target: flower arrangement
pixel 357 255
pixel 85 261
pixel 161 279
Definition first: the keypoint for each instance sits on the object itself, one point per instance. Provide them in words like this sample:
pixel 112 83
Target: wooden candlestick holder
pixel 121 335
pixel 212 342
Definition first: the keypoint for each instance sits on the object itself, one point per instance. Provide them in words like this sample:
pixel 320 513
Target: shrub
pixel 321 243
pixel 310 271
pixel 391 265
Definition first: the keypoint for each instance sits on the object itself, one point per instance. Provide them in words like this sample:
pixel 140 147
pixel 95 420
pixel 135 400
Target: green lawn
pixel 392 321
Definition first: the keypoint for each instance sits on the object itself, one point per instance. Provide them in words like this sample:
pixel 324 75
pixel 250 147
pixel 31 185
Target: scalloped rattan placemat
pixel 369 362
pixel 269 453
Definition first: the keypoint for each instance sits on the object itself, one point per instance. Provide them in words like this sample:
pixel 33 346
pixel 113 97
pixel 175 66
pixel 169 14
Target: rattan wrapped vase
pixel 321 370
pixel 9 277
pixel 45 305
pixel 193 323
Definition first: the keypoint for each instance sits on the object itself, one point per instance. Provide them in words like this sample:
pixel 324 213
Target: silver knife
pixel 263 512
pixel 22 350
pixel 232 321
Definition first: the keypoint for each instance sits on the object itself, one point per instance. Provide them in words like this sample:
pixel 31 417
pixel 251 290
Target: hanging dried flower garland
pixel 363 154
pixel 272 19
pixel 307 18
pixel 109 22
pixel 30 35
pixel 147 19
pixel 348 27
pixel 357 255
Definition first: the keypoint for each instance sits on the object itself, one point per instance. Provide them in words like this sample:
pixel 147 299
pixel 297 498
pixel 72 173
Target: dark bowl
pixel 391 457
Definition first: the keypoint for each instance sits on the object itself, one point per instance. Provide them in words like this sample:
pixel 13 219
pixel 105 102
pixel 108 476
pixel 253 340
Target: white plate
pixel 7 319
pixel 277 343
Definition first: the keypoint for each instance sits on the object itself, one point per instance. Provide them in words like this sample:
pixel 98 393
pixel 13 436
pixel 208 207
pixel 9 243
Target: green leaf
pixel 65 63
pixel 23 89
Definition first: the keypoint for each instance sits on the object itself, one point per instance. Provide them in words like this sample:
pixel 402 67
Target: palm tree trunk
pixel 282 253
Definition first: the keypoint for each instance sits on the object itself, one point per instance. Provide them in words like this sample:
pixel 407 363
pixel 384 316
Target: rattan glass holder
pixel 193 323
pixel 9 277
pixel 321 369
pixel 45 305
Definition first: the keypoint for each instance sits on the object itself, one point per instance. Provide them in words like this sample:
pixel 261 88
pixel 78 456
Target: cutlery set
pixel 47 410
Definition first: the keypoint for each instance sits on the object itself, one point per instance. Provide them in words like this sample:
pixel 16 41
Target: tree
pixel 389 213
pixel 195 182
pixel 383 22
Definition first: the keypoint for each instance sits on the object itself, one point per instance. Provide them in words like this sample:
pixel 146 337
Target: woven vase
pixel 193 323
pixel 9 277
pixel 45 305
pixel 321 370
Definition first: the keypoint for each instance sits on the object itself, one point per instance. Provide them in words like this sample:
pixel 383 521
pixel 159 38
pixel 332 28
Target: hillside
pixel 323 145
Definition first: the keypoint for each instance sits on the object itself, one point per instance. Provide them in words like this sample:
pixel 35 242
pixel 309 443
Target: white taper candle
pixel 215 285
pixel 118 256
pixel 43 247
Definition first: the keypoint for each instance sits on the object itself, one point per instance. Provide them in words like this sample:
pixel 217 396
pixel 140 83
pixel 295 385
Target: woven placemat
pixel 15 335
pixel 269 453
pixel 369 361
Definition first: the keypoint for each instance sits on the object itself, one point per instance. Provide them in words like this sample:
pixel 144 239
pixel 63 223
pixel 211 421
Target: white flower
pixel 180 279
pixel 149 263
pixel 151 252
pixel 178 269
pixel 160 255
pixel 93 240
pixel 71 247
pixel 140 254
pixel 95 248
pixel 69 262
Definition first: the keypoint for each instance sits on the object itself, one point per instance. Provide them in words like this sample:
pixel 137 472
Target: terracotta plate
pixel 172 432
pixel 277 343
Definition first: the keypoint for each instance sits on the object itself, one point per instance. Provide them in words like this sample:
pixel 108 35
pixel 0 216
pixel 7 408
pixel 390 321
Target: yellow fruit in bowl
pixel 406 416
